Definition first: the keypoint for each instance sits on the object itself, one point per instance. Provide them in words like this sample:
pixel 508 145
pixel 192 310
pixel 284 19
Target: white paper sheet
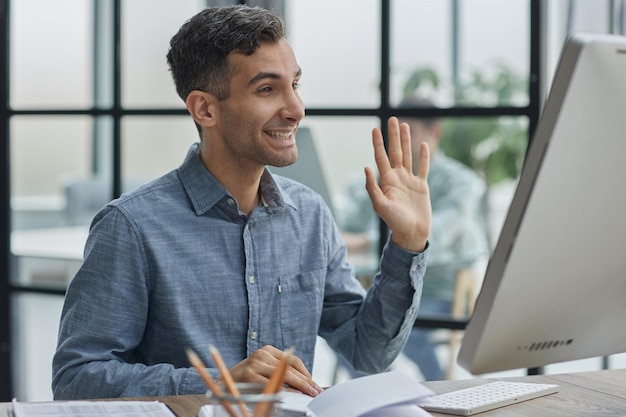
pixel 92 409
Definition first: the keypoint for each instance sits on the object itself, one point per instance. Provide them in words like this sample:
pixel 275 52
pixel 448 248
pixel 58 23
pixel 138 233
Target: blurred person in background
pixel 458 235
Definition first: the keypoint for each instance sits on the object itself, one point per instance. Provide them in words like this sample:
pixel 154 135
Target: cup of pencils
pixel 241 399
pixel 250 401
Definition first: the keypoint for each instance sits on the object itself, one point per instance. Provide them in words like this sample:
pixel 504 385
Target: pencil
pixel 195 360
pixel 228 379
pixel 274 384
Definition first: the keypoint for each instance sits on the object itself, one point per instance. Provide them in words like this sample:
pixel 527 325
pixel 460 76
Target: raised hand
pixel 402 198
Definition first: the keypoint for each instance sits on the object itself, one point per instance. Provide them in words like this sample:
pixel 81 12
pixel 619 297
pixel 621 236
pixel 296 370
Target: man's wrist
pixel 417 245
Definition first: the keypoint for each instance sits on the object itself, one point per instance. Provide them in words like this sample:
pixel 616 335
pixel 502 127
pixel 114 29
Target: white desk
pixel 65 243
pixel 48 257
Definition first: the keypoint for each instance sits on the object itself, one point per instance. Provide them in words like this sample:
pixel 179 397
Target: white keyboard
pixel 485 397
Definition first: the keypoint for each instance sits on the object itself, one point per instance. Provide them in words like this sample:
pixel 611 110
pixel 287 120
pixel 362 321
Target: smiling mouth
pixel 279 134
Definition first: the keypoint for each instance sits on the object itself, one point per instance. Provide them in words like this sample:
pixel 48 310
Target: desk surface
pixel 65 243
pixel 598 393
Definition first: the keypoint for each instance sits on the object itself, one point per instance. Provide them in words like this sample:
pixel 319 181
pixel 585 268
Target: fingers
pixel 297 380
pixel 297 376
pixel 395 146
pixel 380 154
pixel 258 368
pixel 399 148
pixel 405 144
pixel 423 165
pixel 372 187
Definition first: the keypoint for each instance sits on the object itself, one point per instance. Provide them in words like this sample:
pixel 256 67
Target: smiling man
pixel 222 252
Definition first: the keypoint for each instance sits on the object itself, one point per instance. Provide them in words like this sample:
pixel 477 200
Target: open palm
pixel 402 198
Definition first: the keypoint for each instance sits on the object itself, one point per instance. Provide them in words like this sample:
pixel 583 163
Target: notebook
pixel 387 394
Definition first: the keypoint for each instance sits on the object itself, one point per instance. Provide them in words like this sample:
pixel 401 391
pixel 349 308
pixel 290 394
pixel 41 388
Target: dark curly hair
pixel 198 52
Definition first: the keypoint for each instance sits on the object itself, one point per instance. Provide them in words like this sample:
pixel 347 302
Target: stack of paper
pixel 92 409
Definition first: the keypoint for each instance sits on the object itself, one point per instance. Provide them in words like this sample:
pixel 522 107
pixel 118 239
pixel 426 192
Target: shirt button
pixel 414 267
pixel 253 335
pixel 231 202
pixel 251 279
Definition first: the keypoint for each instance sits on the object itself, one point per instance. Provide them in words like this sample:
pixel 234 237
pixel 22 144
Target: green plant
pixel 492 146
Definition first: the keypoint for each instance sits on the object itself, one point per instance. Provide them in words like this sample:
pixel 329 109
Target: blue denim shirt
pixel 175 265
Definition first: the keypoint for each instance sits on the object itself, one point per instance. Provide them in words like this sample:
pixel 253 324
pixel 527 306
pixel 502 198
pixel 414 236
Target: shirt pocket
pixel 301 299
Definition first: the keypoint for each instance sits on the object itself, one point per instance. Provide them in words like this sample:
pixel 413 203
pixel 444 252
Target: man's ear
pixel 202 107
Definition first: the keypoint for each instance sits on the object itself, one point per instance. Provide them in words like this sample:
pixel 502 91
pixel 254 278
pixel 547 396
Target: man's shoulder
pixel 149 204
pixel 151 191
pixel 453 168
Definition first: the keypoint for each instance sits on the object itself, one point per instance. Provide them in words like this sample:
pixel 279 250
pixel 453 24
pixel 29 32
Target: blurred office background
pixel 89 111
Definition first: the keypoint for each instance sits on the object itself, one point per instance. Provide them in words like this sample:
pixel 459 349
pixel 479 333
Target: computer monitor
pixel 555 286
pixel 308 168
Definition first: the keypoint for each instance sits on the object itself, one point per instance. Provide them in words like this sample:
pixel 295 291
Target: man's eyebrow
pixel 270 75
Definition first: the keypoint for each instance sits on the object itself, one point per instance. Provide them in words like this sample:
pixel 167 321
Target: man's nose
pixel 294 107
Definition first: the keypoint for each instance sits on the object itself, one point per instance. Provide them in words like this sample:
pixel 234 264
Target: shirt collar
pixel 273 192
pixel 205 191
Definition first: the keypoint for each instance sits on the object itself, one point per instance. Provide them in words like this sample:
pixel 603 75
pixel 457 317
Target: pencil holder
pixel 251 398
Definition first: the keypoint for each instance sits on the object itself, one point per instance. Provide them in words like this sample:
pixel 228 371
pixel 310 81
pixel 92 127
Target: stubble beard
pixel 243 144
pixel 246 150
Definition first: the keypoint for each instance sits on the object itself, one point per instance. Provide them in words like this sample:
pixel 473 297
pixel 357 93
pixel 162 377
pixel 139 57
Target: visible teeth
pixel 279 135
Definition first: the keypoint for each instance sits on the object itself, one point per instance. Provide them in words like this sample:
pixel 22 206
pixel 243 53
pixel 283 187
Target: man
pixel 458 236
pixel 222 252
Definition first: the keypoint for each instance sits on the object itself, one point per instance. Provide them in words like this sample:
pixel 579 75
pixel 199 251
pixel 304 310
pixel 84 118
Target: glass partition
pixel 34 343
pixel 147 26
pixel 456 49
pixel 152 146
pixel 337 44
pixel 53 69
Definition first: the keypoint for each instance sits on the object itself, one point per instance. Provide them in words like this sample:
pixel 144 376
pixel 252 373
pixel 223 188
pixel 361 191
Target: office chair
pixel 85 196
pixel 462 308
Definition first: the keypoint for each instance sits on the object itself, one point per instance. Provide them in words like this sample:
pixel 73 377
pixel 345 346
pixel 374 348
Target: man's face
pixel 259 119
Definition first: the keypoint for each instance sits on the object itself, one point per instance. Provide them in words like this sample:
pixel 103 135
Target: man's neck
pixel 247 198
pixel 241 182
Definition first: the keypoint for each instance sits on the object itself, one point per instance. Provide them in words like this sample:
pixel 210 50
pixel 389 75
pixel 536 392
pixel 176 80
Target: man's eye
pixel 265 89
pixel 296 86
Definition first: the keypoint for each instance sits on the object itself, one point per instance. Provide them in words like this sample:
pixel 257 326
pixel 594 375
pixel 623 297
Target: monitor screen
pixel 555 286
